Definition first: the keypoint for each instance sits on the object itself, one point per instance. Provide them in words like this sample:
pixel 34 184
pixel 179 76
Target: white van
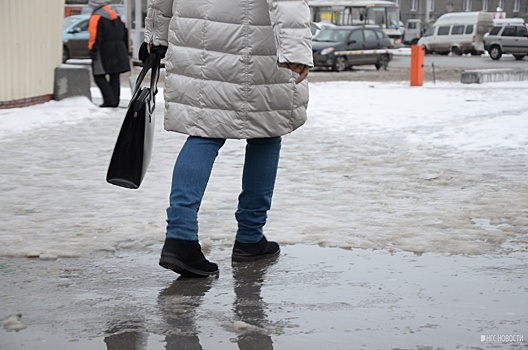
pixel 458 32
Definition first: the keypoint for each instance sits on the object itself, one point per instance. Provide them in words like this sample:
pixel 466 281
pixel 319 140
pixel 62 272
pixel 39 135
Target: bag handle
pixel 151 63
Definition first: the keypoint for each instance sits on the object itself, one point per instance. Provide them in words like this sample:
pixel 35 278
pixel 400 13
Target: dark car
pixel 509 39
pixel 75 37
pixel 343 47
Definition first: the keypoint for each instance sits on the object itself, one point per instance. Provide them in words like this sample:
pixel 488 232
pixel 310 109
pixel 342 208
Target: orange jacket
pixel 104 11
pixel 108 43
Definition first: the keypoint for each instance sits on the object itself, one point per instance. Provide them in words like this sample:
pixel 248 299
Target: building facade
pixel 430 10
pixel 31 50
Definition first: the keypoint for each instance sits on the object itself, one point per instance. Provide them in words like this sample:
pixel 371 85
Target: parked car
pixel 75 37
pixel 509 39
pixel 342 47
pixel 316 27
pixel 499 22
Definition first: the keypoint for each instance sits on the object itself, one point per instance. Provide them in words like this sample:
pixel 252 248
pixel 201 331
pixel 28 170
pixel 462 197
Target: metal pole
pixel 128 23
pixel 427 7
pixel 138 25
pixel 130 47
pixel 434 77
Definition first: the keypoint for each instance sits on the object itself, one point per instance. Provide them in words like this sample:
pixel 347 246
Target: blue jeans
pixel 191 175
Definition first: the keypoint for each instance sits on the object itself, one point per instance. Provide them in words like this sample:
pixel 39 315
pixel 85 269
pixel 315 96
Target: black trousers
pixel 110 89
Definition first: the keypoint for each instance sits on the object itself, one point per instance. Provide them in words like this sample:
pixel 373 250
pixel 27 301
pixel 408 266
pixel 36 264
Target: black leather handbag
pixel 133 148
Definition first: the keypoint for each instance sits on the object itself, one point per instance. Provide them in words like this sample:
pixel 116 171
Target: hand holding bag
pixel 133 148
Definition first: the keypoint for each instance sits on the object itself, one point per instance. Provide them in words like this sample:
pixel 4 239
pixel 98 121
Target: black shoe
pixel 255 251
pixel 109 105
pixel 186 258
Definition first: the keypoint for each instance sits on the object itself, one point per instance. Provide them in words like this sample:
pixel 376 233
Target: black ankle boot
pixel 186 258
pixel 255 251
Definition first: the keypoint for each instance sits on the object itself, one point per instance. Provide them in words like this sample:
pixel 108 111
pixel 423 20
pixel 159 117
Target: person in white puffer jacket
pixel 235 69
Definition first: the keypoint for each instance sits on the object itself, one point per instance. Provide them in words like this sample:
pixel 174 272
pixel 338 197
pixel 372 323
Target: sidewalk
pixel 310 298
pixel 401 213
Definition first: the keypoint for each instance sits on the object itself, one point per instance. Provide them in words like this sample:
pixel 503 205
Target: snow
pixel 438 168
pixel 13 323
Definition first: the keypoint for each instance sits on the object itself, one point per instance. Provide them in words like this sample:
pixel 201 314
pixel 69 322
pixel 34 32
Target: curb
pixel 493 75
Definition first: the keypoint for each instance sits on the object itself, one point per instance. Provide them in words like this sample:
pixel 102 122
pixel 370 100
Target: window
pixel 370 35
pixel 357 35
pixel 467 5
pixel 522 31
pixel 431 5
pixel 501 6
pixel 443 30
pixel 495 30
pixel 509 31
pixel 414 5
pixel 429 31
pixel 516 5
pixel 84 26
pixel 457 30
pixel 381 35
pixel 340 35
pixel 376 15
pixel 469 29
pixel 485 5
pixel 393 20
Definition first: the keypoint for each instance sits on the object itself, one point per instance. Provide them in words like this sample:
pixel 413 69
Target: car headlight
pixel 327 51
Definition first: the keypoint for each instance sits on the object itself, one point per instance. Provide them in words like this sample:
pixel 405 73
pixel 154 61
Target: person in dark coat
pixel 108 47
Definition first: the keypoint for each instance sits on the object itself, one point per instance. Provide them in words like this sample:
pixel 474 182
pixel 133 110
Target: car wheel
pixel 340 64
pixel 495 52
pixel 456 51
pixel 383 62
pixel 65 54
pixel 518 57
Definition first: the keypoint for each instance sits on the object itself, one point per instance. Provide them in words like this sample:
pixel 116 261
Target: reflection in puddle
pixel 311 298
pixel 249 307
pixel 179 303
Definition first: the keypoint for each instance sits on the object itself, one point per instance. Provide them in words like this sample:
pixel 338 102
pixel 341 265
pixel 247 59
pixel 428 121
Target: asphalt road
pixel 436 68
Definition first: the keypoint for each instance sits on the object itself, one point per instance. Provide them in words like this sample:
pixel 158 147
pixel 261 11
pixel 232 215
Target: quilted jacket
pixel 225 75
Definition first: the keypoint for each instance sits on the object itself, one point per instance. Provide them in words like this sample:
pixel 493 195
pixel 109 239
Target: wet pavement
pixel 308 298
pixel 442 228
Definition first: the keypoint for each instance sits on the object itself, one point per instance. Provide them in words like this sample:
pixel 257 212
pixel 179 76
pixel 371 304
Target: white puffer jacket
pixel 224 75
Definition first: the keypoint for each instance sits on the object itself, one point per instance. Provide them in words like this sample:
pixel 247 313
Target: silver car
pixel 75 37
pixel 509 39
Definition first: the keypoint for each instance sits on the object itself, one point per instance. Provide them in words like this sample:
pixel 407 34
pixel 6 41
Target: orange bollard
pixel 417 64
